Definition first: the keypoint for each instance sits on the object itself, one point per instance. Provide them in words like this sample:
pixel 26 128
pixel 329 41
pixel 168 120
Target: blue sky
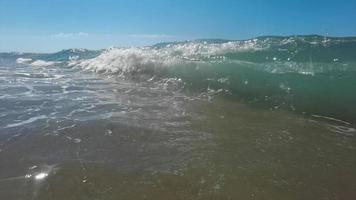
pixel 52 25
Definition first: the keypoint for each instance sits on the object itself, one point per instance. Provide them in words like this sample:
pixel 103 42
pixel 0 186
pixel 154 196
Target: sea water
pixel 266 118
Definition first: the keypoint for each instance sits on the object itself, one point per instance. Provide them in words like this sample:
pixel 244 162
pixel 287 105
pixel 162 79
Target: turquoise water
pixel 266 118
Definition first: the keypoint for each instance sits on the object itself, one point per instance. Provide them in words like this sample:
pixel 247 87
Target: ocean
pixel 267 118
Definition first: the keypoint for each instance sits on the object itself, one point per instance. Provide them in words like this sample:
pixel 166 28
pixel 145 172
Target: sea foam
pixel 23 60
pixel 35 63
pixel 127 60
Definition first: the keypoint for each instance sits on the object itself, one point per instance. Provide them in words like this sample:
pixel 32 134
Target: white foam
pixel 42 63
pixel 23 60
pixel 126 60
pixel 41 176
pixel 28 121
pixel 332 119
pixel 36 63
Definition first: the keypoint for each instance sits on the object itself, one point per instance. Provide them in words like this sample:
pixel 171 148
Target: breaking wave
pixel 304 74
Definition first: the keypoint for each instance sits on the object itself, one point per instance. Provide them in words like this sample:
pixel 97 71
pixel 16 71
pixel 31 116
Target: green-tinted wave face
pixel 312 75
pixel 329 93
pixel 315 75
pixel 301 49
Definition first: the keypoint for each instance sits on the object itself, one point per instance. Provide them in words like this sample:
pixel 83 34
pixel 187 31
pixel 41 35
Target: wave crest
pixel 135 59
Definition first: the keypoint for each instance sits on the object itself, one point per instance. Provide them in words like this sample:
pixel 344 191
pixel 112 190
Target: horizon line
pixel 182 41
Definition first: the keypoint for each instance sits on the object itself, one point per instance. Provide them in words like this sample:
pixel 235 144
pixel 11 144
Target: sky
pixel 52 25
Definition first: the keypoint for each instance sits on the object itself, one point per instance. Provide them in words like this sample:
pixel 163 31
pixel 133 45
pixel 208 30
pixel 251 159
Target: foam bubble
pixel 41 176
pixel 23 60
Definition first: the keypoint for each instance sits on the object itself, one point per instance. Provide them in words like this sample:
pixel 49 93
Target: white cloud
pixel 76 35
pixel 151 36
pixel 69 35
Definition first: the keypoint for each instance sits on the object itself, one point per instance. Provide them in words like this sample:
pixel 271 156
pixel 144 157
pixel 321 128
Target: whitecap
pixel 42 63
pixel 141 59
pixel 23 60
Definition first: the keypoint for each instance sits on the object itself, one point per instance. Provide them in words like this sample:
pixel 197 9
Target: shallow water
pixel 66 133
